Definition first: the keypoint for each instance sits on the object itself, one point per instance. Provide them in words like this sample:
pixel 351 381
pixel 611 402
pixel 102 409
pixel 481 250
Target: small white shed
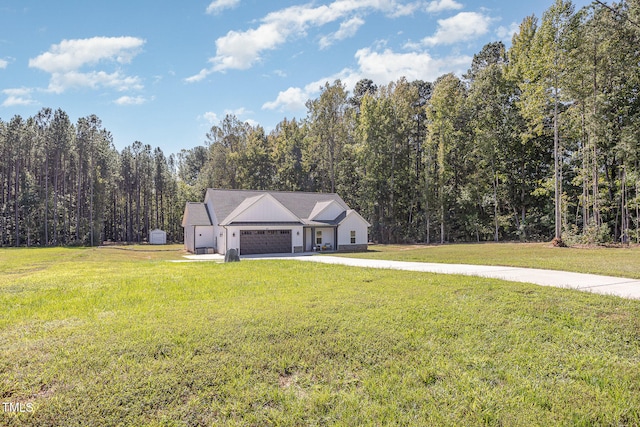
pixel 157 237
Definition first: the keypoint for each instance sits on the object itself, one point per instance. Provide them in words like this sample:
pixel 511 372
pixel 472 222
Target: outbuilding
pixel 264 222
pixel 157 237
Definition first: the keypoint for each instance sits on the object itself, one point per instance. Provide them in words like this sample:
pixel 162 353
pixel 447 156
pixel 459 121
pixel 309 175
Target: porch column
pixel 313 238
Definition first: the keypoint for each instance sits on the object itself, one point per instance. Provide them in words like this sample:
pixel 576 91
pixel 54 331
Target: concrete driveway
pixel 607 285
pixel 626 288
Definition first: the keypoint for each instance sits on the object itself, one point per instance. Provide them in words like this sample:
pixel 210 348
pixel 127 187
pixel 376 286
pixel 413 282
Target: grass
pixel 621 262
pixel 114 337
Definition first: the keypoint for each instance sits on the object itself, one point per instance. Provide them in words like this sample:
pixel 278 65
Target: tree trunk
pixel 556 159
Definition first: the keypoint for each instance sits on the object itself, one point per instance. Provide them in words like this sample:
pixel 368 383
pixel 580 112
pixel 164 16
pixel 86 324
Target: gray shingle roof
pixel 196 214
pixel 301 204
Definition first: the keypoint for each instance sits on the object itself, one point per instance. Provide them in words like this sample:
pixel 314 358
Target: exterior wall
pixel 328 237
pixel 233 238
pixel 204 237
pixel 266 209
pixel 330 212
pixel 234 241
pixel 309 240
pixel 297 239
pixel 220 236
pixel 352 223
pixel 189 232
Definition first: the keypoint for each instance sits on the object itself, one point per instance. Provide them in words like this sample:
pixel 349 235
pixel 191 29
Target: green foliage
pixel 122 337
pixel 591 235
pixel 532 141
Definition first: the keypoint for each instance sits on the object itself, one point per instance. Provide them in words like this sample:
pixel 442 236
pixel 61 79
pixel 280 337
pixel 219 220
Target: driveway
pixel 626 288
pixel 607 285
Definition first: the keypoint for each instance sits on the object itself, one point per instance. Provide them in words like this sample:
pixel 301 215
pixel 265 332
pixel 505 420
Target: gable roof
pixel 300 204
pixel 196 214
pixel 319 208
pixel 351 212
pixel 246 204
pixel 251 204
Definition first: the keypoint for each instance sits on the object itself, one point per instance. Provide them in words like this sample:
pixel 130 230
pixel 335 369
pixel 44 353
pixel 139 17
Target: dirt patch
pixel 290 382
pixel 286 381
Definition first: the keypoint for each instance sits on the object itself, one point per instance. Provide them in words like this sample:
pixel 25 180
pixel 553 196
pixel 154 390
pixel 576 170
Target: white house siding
pixel 233 237
pixel 328 237
pixel 204 237
pixel 219 222
pixel 268 210
pixel 309 239
pixel 297 239
pixel 189 241
pixel 221 240
pixel 330 212
pixel 234 232
pixel 353 222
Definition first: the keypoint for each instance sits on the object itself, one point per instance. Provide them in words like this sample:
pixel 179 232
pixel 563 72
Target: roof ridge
pixel 240 190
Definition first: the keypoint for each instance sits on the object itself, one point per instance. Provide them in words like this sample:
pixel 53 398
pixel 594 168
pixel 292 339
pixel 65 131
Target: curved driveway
pixel 626 288
pixel 608 285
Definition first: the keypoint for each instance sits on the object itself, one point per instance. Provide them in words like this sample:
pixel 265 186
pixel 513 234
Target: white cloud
pixel 241 50
pixel 442 5
pixel 407 9
pixel 200 76
pixel 506 33
pixel 210 117
pixel 65 60
pixel 381 67
pixel 292 99
pixel 3 64
pixel 73 54
pixel 218 6
pixel 18 97
pixel 238 112
pixel 461 27
pixel 387 66
pixel 61 82
pixel 130 100
pixel 347 29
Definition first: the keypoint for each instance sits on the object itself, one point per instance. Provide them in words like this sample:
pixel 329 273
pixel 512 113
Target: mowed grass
pixel 115 337
pixel 615 261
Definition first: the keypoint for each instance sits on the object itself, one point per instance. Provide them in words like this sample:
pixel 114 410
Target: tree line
pixel 65 184
pixel 533 142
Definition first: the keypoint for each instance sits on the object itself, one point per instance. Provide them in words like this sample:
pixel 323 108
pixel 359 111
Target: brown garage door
pixel 265 242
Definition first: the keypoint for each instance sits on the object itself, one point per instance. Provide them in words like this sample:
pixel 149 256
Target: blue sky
pixel 164 72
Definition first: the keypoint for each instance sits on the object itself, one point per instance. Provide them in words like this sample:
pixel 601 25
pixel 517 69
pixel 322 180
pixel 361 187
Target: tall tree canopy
pixel 533 142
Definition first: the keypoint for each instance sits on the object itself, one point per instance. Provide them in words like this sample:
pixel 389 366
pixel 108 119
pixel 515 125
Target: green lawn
pixel 622 262
pixel 124 337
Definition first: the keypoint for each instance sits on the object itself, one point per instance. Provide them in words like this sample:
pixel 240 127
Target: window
pixel 353 237
pixel 318 237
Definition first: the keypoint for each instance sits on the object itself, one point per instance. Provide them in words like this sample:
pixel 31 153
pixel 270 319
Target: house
pixel 257 222
pixel 157 237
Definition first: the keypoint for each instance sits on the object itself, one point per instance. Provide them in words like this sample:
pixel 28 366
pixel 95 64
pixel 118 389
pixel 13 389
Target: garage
pixel 265 242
